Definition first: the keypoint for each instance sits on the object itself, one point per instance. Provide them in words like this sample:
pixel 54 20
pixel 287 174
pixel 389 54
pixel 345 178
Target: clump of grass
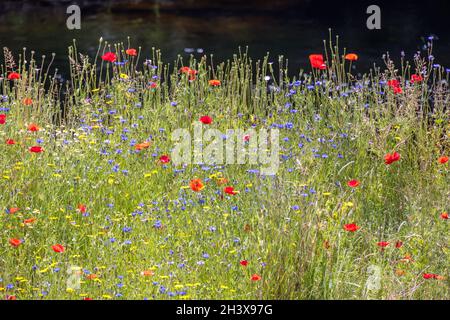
pixel 142 233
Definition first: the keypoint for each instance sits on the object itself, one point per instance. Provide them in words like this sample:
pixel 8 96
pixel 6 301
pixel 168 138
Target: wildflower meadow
pixel 141 178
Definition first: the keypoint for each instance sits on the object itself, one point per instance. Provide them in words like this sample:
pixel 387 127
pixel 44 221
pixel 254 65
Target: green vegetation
pixel 130 221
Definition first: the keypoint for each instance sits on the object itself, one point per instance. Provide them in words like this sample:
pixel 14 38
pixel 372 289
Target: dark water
pixel 294 32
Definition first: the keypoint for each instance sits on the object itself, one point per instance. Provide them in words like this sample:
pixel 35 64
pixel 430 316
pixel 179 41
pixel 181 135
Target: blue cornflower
pixel 157 224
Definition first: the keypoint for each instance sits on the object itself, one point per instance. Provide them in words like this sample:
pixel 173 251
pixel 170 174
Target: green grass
pixel 289 227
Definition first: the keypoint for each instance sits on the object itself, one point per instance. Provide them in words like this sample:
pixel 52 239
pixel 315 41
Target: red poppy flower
pixel 444 215
pixel 2 118
pixel 13 210
pixel 33 127
pixel 189 71
pixel 393 83
pixel 29 220
pixel 142 146
pixel 398 90
pixel 430 276
pixel 131 52
pixel 15 242
pixel 164 159
pixel 230 190
pixel 246 138
pixel 185 69
pixel 153 85
pixel 10 142
pixel 109 56
pixel 206 120
pixel 27 101
pixel 36 149
pixel 351 227
pixel 82 208
pixel 243 263
pixel 317 61
pixel 87 298
pixel 416 78
pixel 382 244
pixel 391 157
pixel 255 277
pixel 353 183
pixel 13 76
pixel 147 273
pixel 443 159
pixel 214 83
pixel 351 57
pixel 8 297
pixel 196 185
pixel 398 244
pixel 58 248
